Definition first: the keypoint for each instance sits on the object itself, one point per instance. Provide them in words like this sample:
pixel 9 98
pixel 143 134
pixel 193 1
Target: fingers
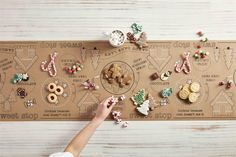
pixel 111 102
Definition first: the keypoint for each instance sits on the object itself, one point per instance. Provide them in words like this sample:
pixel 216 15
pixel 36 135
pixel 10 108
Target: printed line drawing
pixel 88 103
pixel 6 102
pixel 217 54
pixel 2 79
pixel 25 58
pixel 222 105
pixel 83 54
pixel 159 58
pixel 228 56
pixel 95 57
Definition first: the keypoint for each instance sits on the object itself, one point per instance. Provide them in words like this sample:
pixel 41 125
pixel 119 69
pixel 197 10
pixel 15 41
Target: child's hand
pixel 104 108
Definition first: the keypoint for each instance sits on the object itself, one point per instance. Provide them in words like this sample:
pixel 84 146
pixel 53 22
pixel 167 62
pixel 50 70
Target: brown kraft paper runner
pixel 214 103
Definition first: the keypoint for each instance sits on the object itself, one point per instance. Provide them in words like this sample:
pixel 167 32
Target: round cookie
pixel 183 94
pixel 193 97
pixel 59 90
pixel 51 87
pixel 195 87
pixel 186 87
pixel 52 98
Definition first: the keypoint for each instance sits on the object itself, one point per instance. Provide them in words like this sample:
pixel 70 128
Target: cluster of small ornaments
pixel 30 103
pixel 201 54
pixel 89 85
pixel 74 68
pixel 21 92
pixel 20 77
pixel 116 116
pixel 228 84
pixel 141 42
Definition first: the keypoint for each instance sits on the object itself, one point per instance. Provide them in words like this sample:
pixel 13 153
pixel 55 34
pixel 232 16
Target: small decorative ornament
pixel 136 28
pixel 154 76
pixel 50 66
pixel 21 92
pixel 164 102
pixel 167 92
pixel 228 84
pixel 121 98
pixel 131 37
pixel 185 66
pixel 165 76
pixel 125 124
pixel 139 97
pixel 18 77
pixel 30 103
pixel 90 85
pixel 144 108
pixel 200 34
pixel 116 116
pixel 142 41
pixel 74 68
pixel 204 40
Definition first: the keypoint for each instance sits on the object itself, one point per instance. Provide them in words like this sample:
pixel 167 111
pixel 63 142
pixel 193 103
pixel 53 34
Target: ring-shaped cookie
pixel 59 90
pixel 52 87
pixel 52 98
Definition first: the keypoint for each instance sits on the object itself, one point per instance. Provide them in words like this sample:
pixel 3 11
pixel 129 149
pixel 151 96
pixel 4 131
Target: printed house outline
pixel 222 102
pixel 88 103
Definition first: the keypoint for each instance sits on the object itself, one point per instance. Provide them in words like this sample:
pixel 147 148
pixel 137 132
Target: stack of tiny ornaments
pixel 74 68
pixel 116 115
pixel 201 54
pixel 141 42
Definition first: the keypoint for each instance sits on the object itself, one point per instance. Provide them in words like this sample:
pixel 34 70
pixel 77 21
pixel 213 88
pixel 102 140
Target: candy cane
pixel 185 66
pixel 50 66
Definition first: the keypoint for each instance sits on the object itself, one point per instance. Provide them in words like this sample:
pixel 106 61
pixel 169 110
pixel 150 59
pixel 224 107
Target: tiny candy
pixel 221 83
pixel 154 76
pixel 229 84
pixel 199 46
pixel 200 34
pixel 125 125
pixel 204 40
pixel 74 68
pixel 90 85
